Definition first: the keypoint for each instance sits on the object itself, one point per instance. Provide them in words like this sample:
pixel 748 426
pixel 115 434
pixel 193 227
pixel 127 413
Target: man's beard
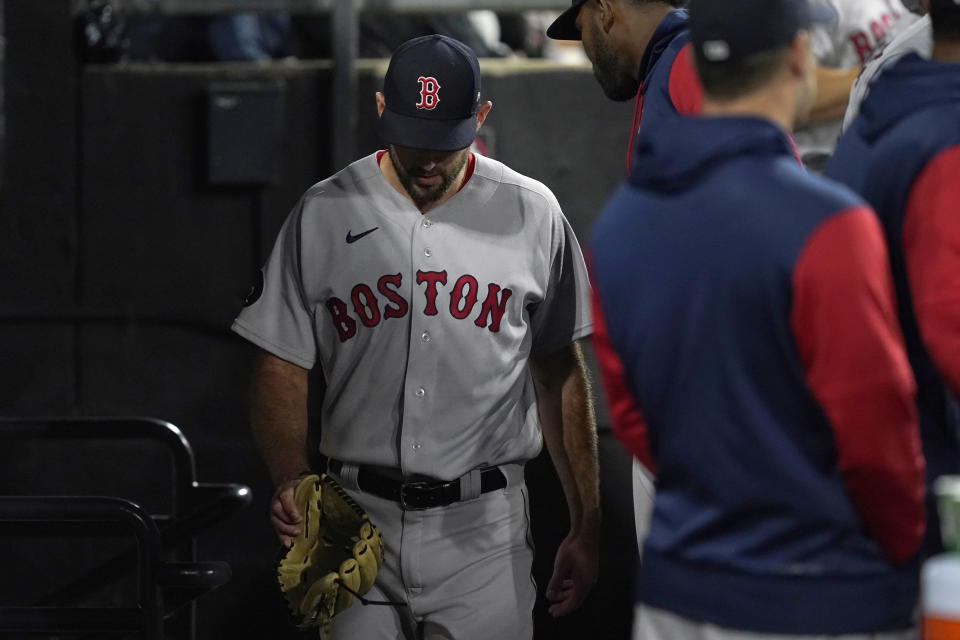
pixel 423 196
pixel 616 83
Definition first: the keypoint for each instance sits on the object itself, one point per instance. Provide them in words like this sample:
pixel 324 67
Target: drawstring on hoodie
pixel 637 114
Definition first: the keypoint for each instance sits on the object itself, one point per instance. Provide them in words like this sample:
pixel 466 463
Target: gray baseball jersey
pixel 917 38
pixel 423 323
pixel 861 27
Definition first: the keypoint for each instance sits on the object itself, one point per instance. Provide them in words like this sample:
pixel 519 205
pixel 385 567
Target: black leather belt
pixel 417 495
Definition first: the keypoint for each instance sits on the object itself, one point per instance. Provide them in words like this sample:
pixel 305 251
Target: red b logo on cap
pixel 428 93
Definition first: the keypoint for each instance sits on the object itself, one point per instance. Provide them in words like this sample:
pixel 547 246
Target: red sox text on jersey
pixel 464 296
pixel 865 43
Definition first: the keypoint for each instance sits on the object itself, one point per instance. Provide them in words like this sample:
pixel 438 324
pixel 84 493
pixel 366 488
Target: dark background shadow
pixel 133 215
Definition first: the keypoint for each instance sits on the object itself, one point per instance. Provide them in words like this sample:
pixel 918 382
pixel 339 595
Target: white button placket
pixel 421 367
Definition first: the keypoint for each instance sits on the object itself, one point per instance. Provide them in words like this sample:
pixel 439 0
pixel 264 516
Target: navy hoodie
pixel 751 309
pixel 668 83
pixel 903 155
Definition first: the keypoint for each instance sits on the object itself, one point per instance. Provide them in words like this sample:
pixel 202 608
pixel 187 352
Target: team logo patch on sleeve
pixel 255 291
pixel 429 90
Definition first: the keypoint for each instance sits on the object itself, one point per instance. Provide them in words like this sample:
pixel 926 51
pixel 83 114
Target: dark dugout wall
pixel 138 201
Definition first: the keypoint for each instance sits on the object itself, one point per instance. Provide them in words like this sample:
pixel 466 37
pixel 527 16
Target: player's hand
pixel 284 515
pixel 574 572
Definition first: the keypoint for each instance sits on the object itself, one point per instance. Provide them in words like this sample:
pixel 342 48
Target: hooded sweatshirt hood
pixel 912 84
pixel 670 26
pixel 676 157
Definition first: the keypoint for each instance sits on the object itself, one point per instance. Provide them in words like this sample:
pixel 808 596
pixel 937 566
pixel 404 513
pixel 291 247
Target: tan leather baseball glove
pixel 336 555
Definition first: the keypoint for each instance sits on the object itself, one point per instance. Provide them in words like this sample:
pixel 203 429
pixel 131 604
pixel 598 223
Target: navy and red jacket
pixel 668 82
pixel 748 336
pixel 669 86
pixel 903 155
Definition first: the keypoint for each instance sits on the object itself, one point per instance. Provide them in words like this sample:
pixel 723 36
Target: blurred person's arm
pixel 833 94
pixel 931 244
pixel 844 321
pixel 835 73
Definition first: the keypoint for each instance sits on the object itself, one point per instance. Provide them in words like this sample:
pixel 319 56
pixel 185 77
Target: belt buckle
pixel 430 496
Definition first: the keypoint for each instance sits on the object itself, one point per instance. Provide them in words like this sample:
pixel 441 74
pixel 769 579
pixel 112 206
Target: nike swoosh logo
pixel 353 238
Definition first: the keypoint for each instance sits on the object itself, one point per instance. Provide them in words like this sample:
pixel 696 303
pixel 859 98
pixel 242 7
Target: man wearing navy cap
pixel 752 308
pixel 443 295
pixel 902 153
pixel 639 51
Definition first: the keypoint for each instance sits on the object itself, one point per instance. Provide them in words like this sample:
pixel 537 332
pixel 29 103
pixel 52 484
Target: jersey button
pixel 420 392
pixel 427 252
pixel 425 336
pixel 427 224
pixel 416 446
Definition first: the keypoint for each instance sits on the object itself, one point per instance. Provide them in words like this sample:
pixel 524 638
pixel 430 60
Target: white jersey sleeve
pixel 917 38
pixel 862 27
pixel 276 316
pixel 564 314
pixel 825 38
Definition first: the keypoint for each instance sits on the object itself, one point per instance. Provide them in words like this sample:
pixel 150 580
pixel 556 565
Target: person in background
pixel 917 38
pixel 902 153
pixel 751 308
pixel 382 33
pixel 640 50
pixel 842 48
pixel 250 37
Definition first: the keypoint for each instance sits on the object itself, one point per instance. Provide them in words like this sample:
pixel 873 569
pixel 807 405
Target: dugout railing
pixel 169 576
pixel 61 516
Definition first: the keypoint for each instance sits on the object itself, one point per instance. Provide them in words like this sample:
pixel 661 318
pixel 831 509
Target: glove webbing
pixel 333 484
pixel 329 482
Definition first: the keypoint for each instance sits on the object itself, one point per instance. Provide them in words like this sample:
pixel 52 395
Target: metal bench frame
pixel 164 585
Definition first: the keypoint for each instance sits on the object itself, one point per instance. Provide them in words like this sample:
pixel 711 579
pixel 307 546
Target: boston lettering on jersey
pixel 866 43
pixel 464 296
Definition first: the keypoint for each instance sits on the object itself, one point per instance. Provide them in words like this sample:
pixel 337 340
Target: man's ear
pixel 800 55
pixel 482 113
pixel 381 103
pixel 607 14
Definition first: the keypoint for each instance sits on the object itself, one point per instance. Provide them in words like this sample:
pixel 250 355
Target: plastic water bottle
pixel 940 578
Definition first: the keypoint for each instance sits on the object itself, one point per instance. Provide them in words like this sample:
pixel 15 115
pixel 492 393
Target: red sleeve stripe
pixel 637 115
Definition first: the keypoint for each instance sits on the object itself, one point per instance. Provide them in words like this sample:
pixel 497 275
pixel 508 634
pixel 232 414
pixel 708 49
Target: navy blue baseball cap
pixel 565 26
pixel 432 91
pixel 725 30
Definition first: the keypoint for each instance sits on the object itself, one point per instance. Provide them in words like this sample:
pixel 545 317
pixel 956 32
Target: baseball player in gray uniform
pixel 917 38
pixel 442 295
